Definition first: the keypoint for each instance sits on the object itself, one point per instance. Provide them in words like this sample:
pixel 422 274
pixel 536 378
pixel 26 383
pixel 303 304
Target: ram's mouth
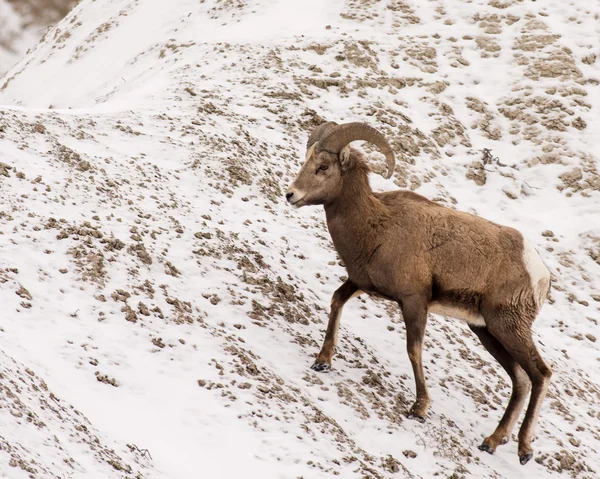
pixel 298 203
pixel 295 201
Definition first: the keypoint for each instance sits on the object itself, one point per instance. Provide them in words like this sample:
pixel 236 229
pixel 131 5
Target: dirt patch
pixel 533 43
pixel 584 178
pixel 487 121
pixel 360 54
pixel 559 63
pixel 488 46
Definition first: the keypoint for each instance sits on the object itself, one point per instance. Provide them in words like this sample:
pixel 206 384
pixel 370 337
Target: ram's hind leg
pixel 520 388
pixel 515 335
pixel 340 297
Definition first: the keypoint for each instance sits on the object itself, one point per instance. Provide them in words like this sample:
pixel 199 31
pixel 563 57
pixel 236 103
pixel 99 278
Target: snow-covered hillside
pixel 161 302
pixel 23 23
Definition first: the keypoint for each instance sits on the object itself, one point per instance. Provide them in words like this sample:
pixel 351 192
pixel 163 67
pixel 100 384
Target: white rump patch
pixel 538 273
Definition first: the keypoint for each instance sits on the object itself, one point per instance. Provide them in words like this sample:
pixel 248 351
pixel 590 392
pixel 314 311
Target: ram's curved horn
pixel 336 138
pixel 319 132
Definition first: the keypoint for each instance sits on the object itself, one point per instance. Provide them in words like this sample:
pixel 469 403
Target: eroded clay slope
pixel 178 301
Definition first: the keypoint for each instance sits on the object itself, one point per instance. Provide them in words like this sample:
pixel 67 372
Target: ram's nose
pixel 289 196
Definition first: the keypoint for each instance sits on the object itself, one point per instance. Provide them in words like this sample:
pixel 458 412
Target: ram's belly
pixel 457 311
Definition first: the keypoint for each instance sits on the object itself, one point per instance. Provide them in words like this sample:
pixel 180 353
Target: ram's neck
pixel 356 220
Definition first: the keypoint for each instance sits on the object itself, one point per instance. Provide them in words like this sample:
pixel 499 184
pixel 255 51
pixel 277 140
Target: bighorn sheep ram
pixel 428 258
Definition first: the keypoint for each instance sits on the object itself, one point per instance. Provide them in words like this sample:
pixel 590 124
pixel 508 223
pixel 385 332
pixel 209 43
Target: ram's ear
pixel 310 151
pixel 346 161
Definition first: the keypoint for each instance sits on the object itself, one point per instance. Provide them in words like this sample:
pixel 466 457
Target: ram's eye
pixel 323 167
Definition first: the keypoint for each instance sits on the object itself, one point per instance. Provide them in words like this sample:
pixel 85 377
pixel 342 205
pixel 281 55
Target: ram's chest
pixel 356 263
pixel 373 285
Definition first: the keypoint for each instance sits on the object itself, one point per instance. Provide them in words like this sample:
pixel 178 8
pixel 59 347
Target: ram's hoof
pixel 416 417
pixel 321 367
pixel 525 458
pixel 487 448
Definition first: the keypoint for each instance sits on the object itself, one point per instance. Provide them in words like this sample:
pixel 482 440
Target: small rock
pixel 391 464
pixel 579 123
pixel 23 293
pixel 4 169
pixel 84 166
pixel 130 314
pixel 171 270
pixel 410 454
pixel 262 388
pixel 143 309
pixel 120 295
pixel 574 441
pixel 141 252
pixel 103 378
pixel 509 193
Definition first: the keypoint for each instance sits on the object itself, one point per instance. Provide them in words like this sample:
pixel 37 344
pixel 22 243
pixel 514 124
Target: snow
pixel 175 128
pixel 14 38
pixel 23 23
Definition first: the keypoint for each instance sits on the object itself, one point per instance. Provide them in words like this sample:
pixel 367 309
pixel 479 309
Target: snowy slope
pixel 23 23
pixel 153 278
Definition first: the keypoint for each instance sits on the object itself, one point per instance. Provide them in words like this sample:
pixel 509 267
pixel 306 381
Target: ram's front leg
pixel 414 311
pixel 340 297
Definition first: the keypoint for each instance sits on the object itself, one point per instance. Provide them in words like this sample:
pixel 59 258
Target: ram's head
pixel 329 159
